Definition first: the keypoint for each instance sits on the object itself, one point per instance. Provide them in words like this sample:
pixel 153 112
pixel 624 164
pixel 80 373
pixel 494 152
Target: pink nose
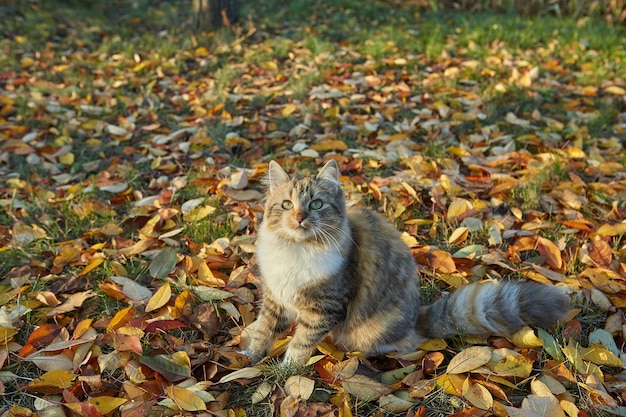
pixel 300 218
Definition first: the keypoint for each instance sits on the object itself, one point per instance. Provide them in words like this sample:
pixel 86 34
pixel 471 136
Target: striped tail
pixel 496 308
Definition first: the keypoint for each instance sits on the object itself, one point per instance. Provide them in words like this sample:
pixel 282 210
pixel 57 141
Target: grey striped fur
pixel 346 272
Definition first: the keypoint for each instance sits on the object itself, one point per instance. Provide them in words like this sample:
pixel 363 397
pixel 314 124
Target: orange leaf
pixel 601 253
pixel 121 318
pixel 81 328
pixel 551 252
pixel 441 261
pixel 126 343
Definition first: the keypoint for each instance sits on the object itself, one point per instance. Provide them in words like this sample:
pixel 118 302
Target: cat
pixel 346 272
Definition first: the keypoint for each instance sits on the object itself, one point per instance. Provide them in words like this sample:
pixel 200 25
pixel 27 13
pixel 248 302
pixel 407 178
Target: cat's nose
pixel 300 218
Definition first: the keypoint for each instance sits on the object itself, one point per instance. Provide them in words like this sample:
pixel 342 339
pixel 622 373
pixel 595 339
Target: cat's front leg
pixel 312 327
pixel 271 322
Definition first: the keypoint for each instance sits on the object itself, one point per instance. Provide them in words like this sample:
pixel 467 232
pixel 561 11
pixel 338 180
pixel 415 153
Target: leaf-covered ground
pixel 131 159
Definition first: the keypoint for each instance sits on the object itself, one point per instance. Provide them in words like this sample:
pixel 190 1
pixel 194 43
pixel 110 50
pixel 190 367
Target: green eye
pixel 287 205
pixel 316 204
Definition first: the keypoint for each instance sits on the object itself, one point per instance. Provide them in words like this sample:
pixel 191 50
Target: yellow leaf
pixel 477 395
pixel 6 334
pixel 52 382
pixel 121 318
pixel 148 228
pixel 458 151
pixel 611 230
pixel 614 89
pixel 570 408
pixel 432 345
pixel 458 236
pixel 289 108
pixel 67 159
pixel 457 207
pixel 81 328
pixel 469 359
pixel 397 136
pixel 160 298
pixel 601 356
pixel 93 264
pixel 513 365
pixel 185 399
pixel 332 145
pixel 106 404
pixel 198 213
pixel 525 338
pixel 451 384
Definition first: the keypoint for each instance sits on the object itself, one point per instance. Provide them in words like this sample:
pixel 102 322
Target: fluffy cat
pixel 346 272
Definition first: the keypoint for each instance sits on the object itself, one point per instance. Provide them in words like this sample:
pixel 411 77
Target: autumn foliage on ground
pixel 132 153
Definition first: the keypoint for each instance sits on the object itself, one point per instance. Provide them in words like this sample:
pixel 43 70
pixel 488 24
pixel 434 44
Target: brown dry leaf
pixel 71 303
pixel 299 387
pixel 364 388
pixel 394 404
pixel 205 318
pixel 601 253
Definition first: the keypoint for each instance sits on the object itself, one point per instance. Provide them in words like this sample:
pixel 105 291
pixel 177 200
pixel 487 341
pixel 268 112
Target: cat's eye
pixel 316 204
pixel 287 205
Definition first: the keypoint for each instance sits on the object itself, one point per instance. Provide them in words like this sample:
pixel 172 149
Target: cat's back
pixel 373 227
pixel 379 246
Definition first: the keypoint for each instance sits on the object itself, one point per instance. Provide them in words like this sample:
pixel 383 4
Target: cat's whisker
pixel 340 230
pixel 329 239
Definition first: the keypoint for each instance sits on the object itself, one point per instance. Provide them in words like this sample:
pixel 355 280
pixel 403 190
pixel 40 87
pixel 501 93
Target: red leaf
pixel 164 325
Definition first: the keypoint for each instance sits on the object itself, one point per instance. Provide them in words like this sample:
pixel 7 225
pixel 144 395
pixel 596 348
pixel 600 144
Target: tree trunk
pixel 213 14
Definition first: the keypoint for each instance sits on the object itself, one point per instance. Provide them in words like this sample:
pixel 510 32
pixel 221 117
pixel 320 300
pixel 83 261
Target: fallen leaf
pixel 160 298
pixel 469 359
pixel 185 399
pixel 299 387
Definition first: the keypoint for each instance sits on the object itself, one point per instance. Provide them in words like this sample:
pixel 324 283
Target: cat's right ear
pixel 276 176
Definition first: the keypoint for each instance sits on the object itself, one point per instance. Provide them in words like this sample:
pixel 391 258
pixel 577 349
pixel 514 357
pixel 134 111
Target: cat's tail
pixel 497 308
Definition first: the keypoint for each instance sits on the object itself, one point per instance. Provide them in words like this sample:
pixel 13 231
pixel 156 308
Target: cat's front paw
pixel 254 357
pixel 296 358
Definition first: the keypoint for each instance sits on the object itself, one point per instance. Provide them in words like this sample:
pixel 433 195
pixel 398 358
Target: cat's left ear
pixel 330 172
pixel 276 176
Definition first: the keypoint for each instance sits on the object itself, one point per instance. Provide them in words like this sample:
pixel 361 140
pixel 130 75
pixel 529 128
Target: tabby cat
pixel 346 272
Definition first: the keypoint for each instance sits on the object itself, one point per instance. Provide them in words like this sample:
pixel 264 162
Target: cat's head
pixel 308 209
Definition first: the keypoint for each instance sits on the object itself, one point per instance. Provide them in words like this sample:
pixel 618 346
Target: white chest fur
pixel 288 266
